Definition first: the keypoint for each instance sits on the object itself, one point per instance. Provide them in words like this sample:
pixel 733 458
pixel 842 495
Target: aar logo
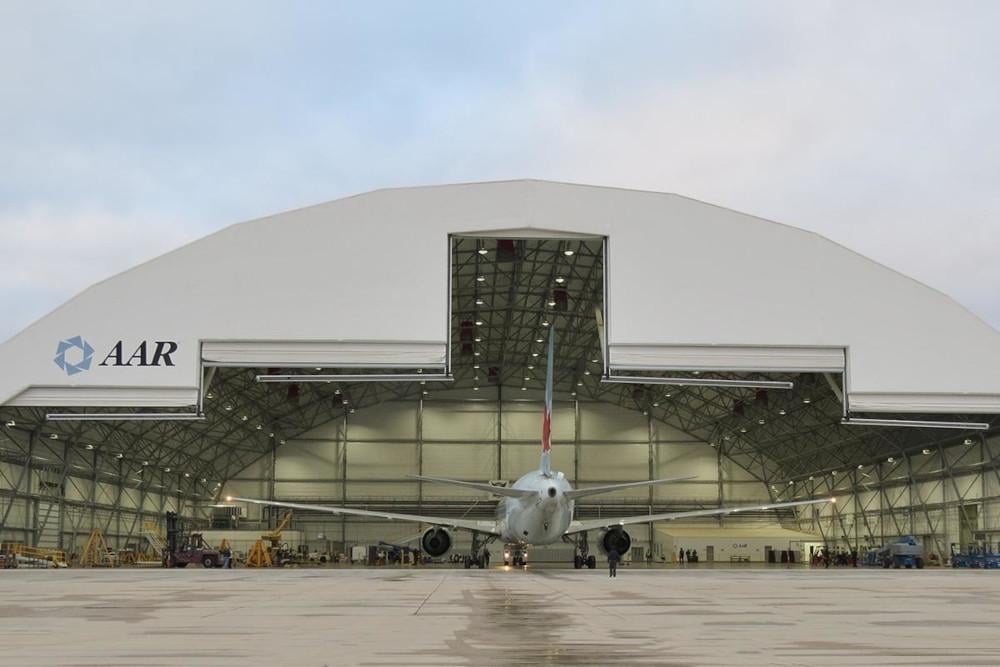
pixel 74 355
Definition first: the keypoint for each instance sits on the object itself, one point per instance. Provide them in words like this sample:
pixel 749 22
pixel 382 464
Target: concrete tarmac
pixel 438 616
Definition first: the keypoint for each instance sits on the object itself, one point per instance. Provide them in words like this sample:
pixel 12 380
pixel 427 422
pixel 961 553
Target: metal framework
pixel 505 295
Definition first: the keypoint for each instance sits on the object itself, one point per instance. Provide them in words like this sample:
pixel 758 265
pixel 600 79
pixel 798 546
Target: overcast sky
pixel 129 128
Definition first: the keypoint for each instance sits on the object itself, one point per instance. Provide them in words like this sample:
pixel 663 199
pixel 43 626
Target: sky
pixel 128 129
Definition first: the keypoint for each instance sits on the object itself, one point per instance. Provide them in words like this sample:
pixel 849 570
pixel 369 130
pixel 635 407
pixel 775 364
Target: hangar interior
pixel 290 432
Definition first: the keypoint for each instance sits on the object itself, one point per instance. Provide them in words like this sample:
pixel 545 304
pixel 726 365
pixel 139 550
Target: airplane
pixel 536 510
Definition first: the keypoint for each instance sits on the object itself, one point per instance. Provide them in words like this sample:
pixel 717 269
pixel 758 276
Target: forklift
pixel 185 547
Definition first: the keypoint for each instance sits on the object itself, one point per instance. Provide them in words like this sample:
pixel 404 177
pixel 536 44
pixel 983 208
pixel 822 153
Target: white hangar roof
pixel 365 281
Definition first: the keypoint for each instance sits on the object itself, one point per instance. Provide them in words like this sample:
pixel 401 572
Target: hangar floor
pixel 543 616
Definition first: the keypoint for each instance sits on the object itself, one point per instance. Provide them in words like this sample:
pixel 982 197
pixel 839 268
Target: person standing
pixel 613 558
pixel 486 557
pixel 680 557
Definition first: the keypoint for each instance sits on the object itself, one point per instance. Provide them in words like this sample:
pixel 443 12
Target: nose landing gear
pixel 516 555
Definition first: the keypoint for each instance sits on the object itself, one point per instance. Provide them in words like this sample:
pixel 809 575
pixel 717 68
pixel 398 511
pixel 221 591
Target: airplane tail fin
pixel 546 463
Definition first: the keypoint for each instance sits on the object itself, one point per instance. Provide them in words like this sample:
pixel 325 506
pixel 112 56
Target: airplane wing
pixel 595 490
pixel 499 490
pixel 489 527
pixel 611 522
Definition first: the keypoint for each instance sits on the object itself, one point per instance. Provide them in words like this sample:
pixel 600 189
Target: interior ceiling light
pixel 425 392
pixel 743 429
pixel 927 451
pixel 860 466
pixel 481 279
pixel 204 480
pixel 344 402
pixel 560 280
pixel 244 418
pixel 479 323
pixel 166 470
pixel 482 251
pixel 531 368
pixel 807 401
pixel 476 366
pixel 475 389
pixel 527 379
pixel 656 405
pixel 187 474
pixel 761 422
pixel 810 478
pixel 476 353
pixel 119 456
pixel 539 340
pixel 579 384
pixel 568 253
pixel 545 323
pixel 969 441
pixel 281 442
pixel 54 436
pixel 12 423
pixel 668 395
pixel 782 412
pixel 270 435
pixel 572 393
pixel 534 354
pixel 260 427
pixel 209 395
pixel 227 407
pixel 479 339
pixel 145 463
pixel 524 389
pixel 891 460
pixel 88 446
pixel 695 372
pixel 479 302
pixel 352 411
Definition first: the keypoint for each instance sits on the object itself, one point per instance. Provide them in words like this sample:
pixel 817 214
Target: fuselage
pixel 538 519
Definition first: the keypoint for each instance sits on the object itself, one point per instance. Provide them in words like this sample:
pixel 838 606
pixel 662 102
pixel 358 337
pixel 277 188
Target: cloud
pixel 139 127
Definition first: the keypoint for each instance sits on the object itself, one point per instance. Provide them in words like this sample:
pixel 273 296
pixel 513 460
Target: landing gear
pixel 517 556
pixel 478 554
pixel 583 558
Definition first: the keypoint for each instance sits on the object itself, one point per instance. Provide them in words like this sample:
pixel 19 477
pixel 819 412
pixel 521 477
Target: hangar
pixel 329 353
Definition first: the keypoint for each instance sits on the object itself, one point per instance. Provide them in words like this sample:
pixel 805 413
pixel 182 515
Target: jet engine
pixel 436 541
pixel 616 539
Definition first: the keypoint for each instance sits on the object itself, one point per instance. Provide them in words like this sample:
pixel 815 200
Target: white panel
pixel 727 358
pixel 925 403
pixel 139 397
pixel 324 353
pixel 460 422
pixel 371 460
pixel 461 461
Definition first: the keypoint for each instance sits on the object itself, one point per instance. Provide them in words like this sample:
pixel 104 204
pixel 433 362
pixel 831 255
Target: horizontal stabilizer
pixel 597 490
pixel 498 490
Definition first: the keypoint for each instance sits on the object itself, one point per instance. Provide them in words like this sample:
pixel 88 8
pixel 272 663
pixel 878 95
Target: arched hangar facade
pixel 330 352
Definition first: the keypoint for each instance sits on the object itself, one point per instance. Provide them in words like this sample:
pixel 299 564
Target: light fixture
pixel 656 405
pixel 560 280
pixel 695 372
pixel 891 460
pixel 166 470
pixel 545 323
pixel 530 367
pixel 425 392
pixel 119 456
pixel 145 463
pixel 482 251
pixel 244 418
pixel 524 389
pixel 969 441
pixel 475 389
pixel 479 339
pixel 481 279
pixel 761 422
pixel 790 482
pixel 807 400
pixel 210 395
pixel 227 407
pixel 260 427
pixel 551 303
pixel 810 478
pixel 187 474
pixel 270 435
pixel 88 446
pixel 539 340
pixel 860 466
pixel 833 472
pixel 568 253
pixel 586 372
pixel 479 301
pixel 475 366
pixel 281 442
pixel 54 436
pixel 352 411
pixel 204 480
pixel 595 361
pixel 527 379
pixel 579 384
pixel 927 451
pixel 218 484
pixel 479 323
pixel 668 394
pixel 476 353
pixel 782 412
pixel 534 354
pixel 572 393
pixel 12 423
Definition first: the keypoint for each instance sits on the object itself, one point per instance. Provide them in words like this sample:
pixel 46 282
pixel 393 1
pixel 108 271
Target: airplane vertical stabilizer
pixel 546 464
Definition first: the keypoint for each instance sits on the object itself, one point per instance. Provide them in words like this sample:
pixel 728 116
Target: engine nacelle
pixel 436 541
pixel 616 539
